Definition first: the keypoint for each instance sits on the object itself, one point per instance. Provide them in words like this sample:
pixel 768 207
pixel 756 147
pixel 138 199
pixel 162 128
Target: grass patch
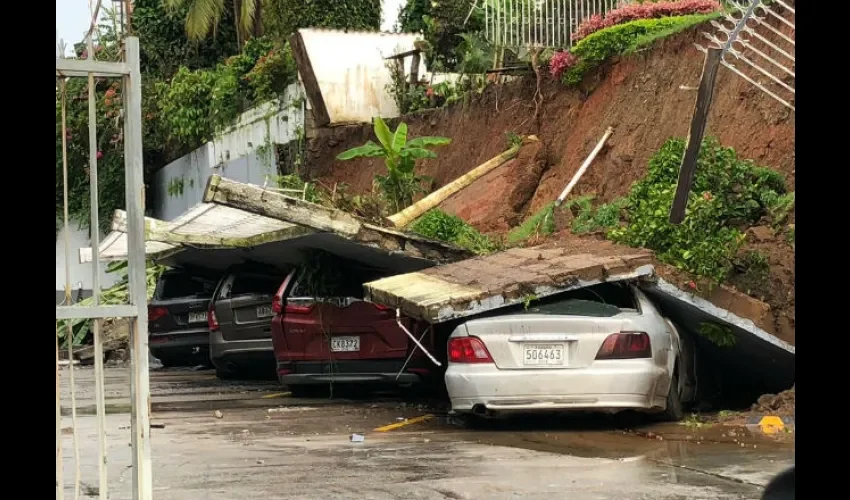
pixel 589 219
pixel 541 223
pixel 439 225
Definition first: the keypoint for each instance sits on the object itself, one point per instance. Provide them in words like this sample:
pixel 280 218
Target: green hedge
pixel 625 38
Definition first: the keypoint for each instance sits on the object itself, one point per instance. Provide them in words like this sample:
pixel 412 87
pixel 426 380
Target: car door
pixel 244 306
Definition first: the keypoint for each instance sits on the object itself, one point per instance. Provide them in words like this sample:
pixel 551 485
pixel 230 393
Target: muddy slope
pixel 639 95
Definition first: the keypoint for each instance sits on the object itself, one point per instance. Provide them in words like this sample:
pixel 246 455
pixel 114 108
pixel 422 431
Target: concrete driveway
pixel 266 445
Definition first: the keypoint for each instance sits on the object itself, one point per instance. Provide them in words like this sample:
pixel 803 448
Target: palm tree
pixel 204 15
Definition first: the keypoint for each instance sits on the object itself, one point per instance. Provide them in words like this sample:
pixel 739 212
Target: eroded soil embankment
pixel 640 96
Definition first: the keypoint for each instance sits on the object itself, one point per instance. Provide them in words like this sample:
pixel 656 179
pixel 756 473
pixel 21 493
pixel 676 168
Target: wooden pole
pixel 414 211
pixel 713 58
pixel 584 166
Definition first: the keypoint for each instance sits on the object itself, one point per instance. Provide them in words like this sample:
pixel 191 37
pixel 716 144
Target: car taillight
pixel 155 313
pixel 468 350
pixel 625 345
pixel 212 321
pixel 296 309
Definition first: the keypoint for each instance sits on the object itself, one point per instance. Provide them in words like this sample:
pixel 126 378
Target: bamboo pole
pixel 414 211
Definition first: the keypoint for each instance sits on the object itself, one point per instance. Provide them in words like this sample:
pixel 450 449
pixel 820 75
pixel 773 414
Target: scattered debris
pixel 357 438
pixel 218 414
pixel 404 422
pixel 157 426
pixel 260 462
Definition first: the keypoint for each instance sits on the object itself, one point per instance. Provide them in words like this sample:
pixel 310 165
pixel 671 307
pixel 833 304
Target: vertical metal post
pixel 96 323
pixel 140 382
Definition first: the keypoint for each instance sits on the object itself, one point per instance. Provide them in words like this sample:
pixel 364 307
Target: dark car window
pixel 177 285
pixel 603 300
pixel 252 284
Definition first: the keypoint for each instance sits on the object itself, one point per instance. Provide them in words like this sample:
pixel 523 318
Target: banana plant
pixel 401 183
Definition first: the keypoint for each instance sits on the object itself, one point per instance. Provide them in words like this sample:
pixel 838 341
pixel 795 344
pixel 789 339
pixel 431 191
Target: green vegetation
pixel 438 225
pixel 625 38
pixel 719 335
pixel 401 183
pixel 116 295
pixel 729 194
pixel 587 219
pixel 542 223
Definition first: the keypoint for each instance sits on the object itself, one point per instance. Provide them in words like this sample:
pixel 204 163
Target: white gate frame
pixel 136 310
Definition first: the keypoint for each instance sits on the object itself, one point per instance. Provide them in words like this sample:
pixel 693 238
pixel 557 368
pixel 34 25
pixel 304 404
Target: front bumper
pixel 604 385
pixel 367 371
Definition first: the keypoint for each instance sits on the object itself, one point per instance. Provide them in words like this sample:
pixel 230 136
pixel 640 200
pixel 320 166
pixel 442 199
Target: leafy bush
pixel 588 219
pixel 560 62
pixel 620 39
pixel 442 25
pixel 635 11
pixel 195 104
pixel 439 225
pixel 728 193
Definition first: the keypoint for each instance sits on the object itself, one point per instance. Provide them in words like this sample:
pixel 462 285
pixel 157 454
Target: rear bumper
pixel 367 371
pixel 239 351
pixel 183 340
pixel 605 385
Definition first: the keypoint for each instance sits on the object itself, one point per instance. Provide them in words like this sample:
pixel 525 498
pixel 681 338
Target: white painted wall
pixel 352 73
pixel 241 152
pixel 80 273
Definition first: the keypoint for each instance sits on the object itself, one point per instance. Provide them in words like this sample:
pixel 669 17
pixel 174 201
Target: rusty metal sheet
pixel 502 279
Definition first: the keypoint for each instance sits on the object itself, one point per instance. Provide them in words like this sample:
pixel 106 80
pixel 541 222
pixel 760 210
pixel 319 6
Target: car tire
pixel 224 374
pixel 675 411
pixel 305 391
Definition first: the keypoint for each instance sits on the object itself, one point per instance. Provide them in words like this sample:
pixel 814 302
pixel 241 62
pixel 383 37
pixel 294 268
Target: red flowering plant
pixel 560 62
pixel 635 11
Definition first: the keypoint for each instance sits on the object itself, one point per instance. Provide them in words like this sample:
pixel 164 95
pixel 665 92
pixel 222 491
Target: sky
pixel 73 18
pixel 72 21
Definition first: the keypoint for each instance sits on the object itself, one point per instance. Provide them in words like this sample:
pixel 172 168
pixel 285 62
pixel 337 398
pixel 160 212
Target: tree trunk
pixel 237 19
pixel 258 19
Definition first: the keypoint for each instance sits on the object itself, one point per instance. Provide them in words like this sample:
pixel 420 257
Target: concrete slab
pixel 502 279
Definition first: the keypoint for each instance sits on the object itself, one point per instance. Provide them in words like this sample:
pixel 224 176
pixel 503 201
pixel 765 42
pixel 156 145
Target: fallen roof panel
pixel 502 279
pixel 751 353
pixel 254 199
pixel 243 222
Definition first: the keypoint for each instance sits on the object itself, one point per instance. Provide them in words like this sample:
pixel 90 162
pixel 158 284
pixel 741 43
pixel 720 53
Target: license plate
pixel 345 344
pixel 264 312
pixel 200 317
pixel 543 354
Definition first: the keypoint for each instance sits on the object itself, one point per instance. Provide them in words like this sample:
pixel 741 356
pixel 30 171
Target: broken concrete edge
pixel 440 313
pixel 745 324
pixel 256 200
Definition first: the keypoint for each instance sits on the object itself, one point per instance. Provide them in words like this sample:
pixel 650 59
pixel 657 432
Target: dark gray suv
pixel 240 322
pixel 177 318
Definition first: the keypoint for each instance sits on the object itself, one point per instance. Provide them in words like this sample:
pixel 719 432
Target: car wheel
pixel 224 374
pixel 675 410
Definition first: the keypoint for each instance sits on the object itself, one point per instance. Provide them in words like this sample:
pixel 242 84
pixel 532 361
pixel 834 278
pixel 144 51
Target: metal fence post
pixel 140 382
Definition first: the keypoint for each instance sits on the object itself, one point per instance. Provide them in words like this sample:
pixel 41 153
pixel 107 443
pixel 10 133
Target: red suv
pixel 343 339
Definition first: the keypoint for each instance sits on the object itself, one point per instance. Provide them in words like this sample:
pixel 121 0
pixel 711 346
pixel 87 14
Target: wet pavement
pixel 268 445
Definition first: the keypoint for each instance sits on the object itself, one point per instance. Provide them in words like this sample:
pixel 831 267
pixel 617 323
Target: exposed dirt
pixel 496 202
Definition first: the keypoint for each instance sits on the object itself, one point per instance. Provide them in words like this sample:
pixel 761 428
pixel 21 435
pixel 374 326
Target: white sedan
pixel 600 348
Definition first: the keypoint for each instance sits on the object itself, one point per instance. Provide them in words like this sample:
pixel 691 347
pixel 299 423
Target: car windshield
pixel 177 285
pixel 603 300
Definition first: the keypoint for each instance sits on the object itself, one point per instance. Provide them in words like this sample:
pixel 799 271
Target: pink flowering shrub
pixel 560 62
pixel 635 11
